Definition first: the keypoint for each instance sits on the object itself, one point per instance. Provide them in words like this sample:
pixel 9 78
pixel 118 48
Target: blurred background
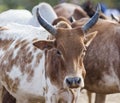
pixel 29 4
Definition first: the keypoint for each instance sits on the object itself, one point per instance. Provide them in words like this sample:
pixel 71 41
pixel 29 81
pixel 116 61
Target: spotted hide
pixel 34 69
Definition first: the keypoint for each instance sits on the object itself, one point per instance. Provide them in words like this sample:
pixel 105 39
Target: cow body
pixel 70 10
pixel 26 17
pixel 34 68
pixel 19 74
pixel 18 16
pixel 102 60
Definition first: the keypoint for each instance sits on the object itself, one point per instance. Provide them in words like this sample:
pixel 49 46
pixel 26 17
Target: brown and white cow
pixel 102 60
pixel 36 69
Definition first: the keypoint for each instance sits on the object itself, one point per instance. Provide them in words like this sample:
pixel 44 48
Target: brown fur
pixel 56 21
pixel 89 8
pixel 6 44
pixel 24 58
pixel 63 24
pixel 67 10
pixel 19 60
pixel 7 98
pixel 103 52
pixel 72 50
pixel 108 34
pixel 78 14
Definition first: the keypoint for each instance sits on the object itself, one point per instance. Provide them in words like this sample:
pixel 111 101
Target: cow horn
pixel 93 20
pixel 45 24
pixel 114 18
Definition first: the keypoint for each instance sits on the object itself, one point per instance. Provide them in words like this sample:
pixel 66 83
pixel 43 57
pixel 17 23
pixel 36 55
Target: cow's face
pixel 64 57
pixel 64 65
pixel 70 43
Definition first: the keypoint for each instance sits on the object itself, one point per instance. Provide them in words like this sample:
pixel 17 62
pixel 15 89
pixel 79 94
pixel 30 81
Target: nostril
pixel 77 80
pixel 73 82
pixel 68 81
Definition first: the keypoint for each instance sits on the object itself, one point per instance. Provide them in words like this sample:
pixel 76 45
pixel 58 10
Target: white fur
pixel 37 84
pixel 33 89
pixel 18 16
pixel 25 17
pixel 1 52
pixel 18 31
pixel 51 94
pixel 46 11
pixel 15 53
pixel 14 73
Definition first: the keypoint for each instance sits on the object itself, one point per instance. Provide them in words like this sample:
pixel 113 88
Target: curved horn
pixel 45 24
pixel 114 18
pixel 93 20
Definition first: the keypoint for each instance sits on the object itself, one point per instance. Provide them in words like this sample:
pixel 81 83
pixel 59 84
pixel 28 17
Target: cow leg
pixel 89 94
pixel 100 98
pixel 7 97
pixel 1 93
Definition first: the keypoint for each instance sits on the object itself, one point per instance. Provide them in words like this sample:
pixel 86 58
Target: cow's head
pixel 64 54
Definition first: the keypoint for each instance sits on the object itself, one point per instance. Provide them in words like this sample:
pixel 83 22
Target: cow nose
pixel 73 82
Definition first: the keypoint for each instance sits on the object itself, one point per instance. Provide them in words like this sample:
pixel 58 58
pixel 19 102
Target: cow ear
pixel 44 44
pixel 89 37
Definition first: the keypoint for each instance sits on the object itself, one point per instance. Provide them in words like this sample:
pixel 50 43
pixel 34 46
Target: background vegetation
pixel 28 4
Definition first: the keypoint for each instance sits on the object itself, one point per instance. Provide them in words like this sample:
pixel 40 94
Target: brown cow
pixel 61 18
pixel 67 10
pixel 48 70
pixel 102 60
pixel 88 7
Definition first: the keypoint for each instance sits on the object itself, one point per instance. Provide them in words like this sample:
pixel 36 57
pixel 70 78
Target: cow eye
pixel 58 52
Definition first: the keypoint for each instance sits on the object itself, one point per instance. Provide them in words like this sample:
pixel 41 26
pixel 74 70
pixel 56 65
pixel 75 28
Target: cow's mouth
pixel 74 86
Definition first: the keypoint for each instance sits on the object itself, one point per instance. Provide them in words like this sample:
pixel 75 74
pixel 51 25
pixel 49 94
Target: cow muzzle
pixel 73 82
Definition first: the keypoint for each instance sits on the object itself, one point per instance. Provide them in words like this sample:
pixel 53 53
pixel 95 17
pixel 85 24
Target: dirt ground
pixel 111 98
